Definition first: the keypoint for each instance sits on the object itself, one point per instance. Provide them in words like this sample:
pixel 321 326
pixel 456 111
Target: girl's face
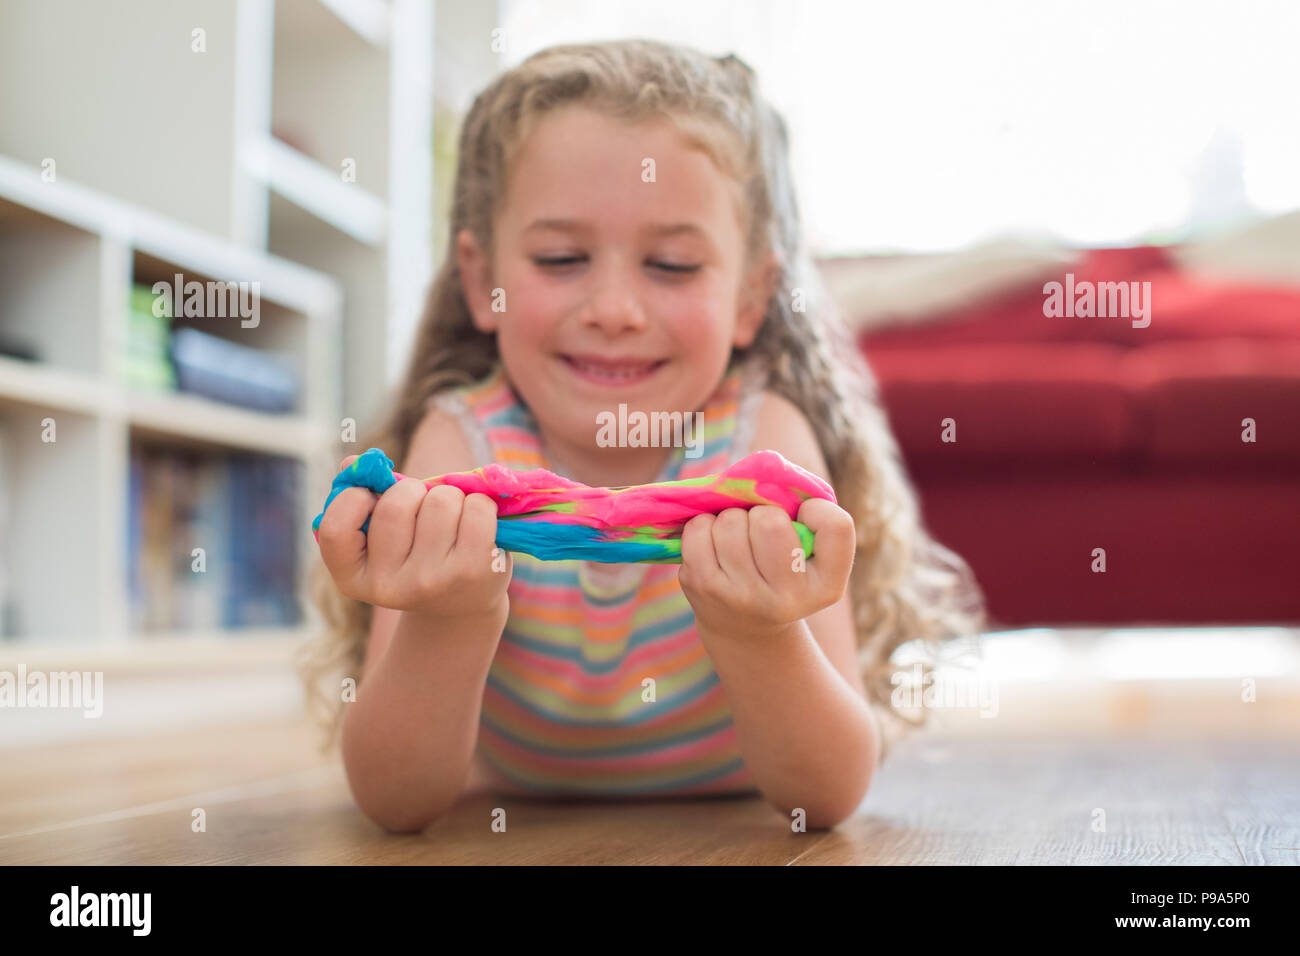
pixel 611 289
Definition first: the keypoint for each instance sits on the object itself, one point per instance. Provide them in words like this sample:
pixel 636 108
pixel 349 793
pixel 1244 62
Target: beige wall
pixel 113 93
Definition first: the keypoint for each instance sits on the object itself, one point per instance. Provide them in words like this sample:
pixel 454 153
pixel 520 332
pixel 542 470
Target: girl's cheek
pixel 699 321
pixel 528 308
pixel 537 302
pixel 687 304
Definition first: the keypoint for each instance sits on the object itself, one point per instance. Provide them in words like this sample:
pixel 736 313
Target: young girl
pixel 624 231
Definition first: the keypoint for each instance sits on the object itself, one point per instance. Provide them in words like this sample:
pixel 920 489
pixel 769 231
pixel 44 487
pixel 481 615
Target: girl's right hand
pixel 430 551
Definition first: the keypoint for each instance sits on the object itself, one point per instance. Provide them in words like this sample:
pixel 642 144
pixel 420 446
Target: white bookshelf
pixel 225 163
pixel 68 258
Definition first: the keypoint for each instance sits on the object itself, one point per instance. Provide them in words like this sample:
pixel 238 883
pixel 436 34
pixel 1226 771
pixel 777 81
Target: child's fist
pixel 432 551
pixel 744 572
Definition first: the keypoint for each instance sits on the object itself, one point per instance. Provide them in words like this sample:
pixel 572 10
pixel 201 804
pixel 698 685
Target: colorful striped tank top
pixel 565 711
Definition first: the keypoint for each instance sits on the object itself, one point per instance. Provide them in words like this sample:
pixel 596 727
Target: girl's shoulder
pixel 460 413
pixel 780 425
pixel 448 437
pixel 439 446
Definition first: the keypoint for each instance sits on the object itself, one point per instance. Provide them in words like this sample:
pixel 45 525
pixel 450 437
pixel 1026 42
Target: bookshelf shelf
pixel 27 204
pixel 36 385
pixel 200 420
pixel 317 189
pixel 187 418
pixel 163 651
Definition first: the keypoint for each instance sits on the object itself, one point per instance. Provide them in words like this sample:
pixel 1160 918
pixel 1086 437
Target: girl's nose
pixel 614 309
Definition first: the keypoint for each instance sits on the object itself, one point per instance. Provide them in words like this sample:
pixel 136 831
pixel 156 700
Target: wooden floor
pixel 1028 793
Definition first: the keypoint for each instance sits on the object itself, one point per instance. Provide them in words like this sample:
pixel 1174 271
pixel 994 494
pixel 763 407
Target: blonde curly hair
pixel 904 586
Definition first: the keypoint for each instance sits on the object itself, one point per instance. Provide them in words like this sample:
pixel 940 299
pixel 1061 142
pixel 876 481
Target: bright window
pixel 924 126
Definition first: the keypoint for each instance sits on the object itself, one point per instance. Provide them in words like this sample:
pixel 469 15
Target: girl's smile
pixel 613 372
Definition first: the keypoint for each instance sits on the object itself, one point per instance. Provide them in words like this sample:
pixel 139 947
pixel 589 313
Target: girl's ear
pixel 476 280
pixel 756 292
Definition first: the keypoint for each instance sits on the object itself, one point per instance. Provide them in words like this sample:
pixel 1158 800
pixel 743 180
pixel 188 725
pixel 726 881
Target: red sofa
pixel 1080 433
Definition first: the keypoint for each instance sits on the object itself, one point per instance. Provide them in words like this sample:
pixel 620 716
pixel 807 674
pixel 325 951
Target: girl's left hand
pixel 744 571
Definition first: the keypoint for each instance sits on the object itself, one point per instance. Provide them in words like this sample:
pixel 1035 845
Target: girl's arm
pixel 804 727
pixel 408 740
pixel 806 734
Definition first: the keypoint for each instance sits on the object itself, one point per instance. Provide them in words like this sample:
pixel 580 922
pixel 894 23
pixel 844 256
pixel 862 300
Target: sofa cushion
pixel 1023 406
pixel 1193 547
pixel 1193 396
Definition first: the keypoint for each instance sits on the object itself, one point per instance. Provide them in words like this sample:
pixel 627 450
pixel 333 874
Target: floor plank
pixel 943 797
pixel 310 819
pixel 1034 801
pixel 69 781
pixel 1259 797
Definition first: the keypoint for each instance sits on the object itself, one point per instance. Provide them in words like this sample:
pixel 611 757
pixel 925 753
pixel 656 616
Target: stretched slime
pixel 554 518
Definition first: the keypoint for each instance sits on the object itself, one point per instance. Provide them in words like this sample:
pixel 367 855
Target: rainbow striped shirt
pixel 564 710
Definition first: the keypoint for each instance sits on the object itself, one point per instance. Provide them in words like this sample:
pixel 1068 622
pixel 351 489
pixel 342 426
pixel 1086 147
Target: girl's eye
pixel 558 261
pixel 675 268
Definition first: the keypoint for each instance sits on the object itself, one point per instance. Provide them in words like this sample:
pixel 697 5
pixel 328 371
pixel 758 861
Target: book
pixel 146 361
pixel 212 541
pixel 236 374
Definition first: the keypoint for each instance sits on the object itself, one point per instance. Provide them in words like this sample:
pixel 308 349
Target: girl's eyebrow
pixel 655 229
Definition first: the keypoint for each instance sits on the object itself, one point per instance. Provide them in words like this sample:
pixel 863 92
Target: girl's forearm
pixel 809 739
pixel 409 737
